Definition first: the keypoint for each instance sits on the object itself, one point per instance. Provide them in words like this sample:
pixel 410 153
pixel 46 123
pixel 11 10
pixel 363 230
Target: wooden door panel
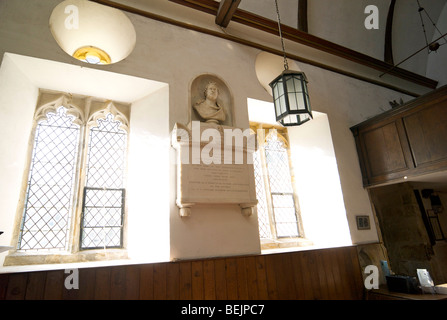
pixel 427 134
pixel 384 150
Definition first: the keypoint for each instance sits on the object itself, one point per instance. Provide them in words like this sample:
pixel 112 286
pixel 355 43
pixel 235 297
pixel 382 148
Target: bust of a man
pixel 208 108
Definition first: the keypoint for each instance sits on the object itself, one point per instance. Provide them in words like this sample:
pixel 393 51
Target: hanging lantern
pixel 290 96
pixel 91 32
pixel 291 99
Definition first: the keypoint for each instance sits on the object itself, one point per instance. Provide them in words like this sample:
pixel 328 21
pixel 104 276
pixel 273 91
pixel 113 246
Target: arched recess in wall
pixel 437 61
pixel 92 32
pixel 268 66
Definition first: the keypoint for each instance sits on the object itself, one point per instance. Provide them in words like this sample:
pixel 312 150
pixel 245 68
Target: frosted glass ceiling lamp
pixel 289 89
pixel 91 32
pixel 92 55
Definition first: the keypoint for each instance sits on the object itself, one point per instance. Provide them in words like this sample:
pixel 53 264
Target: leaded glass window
pixel 277 213
pixel 263 213
pixel 103 203
pixel 281 188
pixel 49 194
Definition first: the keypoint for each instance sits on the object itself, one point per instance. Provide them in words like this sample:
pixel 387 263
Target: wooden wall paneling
pixel 298 274
pixel 118 283
pixel 242 286
pixel 209 280
pixel 17 286
pixel 261 277
pixel 102 283
pixel 329 270
pixel 314 274
pixel 146 289
pixel 197 280
pixel 54 285
pixel 251 278
pixel 4 279
pixel 160 292
pixel 285 282
pixel 172 281
pixel 270 273
pixel 87 280
pixel 220 278
pixel 185 290
pixel 305 289
pixel 132 282
pixel 353 275
pixel 322 275
pixel 309 262
pixel 35 285
pixel 341 287
pixel 231 278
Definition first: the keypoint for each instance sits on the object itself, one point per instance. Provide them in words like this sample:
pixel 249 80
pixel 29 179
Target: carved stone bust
pixel 208 108
pixel 211 101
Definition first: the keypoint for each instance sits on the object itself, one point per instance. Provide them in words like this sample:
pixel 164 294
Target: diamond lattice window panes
pixel 49 195
pixel 277 213
pixel 103 204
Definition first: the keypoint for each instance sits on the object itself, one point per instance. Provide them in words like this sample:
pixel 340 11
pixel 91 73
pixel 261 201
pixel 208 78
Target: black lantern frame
pixel 291 98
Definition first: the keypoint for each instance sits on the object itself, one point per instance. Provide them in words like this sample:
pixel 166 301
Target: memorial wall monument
pixel 214 159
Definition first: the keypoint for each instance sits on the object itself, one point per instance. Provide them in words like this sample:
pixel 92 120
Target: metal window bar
pixel 48 201
pixel 103 208
pixel 102 218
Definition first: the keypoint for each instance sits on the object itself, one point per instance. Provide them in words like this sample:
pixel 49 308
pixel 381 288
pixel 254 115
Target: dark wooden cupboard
pixel 409 140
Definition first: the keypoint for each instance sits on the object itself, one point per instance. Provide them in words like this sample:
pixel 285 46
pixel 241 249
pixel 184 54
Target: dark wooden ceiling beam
pixel 298 36
pixel 226 10
pixel 407 75
pixel 302 15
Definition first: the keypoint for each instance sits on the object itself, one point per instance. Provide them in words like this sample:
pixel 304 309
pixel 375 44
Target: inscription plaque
pixel 213 171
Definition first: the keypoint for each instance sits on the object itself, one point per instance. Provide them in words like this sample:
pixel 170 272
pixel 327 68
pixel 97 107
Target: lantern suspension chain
pixel 286 65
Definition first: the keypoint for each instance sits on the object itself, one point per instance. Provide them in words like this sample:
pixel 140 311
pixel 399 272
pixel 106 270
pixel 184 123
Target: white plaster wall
pixel 343 22
pixel 437 61
pixel 18 97
pixel 288 10
pixel 348 102
pixel 176 56
pixel 148 185
pixel 318 183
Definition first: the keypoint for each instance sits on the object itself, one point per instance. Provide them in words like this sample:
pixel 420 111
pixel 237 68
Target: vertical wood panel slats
pixel 147 282
pixel 220 277
pixel 185 281
pixel 35 287
pixel 303 275
pixel 209 280
pixel 173 281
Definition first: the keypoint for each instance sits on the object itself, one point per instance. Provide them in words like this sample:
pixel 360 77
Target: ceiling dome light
pixel 92 55
pixel 91 32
